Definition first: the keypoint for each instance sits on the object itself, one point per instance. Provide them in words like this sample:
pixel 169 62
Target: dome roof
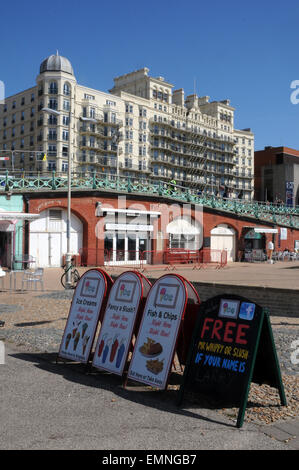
pixel 56 63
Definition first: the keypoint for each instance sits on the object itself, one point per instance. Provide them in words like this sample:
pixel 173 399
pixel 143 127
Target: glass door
pixel 132 252
pixel 120 246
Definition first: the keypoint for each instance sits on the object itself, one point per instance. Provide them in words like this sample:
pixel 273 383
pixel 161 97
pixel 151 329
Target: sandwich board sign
pixel 121 314
pixel 87 304
pixel 158 332
pixel 232 346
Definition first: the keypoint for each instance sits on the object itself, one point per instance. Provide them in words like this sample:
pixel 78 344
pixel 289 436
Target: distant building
pixel 277 175
pixel 142 129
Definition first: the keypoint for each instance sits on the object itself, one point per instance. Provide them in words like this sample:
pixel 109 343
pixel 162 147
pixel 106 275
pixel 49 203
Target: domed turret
pixel 56 63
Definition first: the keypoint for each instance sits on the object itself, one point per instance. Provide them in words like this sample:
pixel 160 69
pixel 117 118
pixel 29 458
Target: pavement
pixel 50 406
pixel 282 274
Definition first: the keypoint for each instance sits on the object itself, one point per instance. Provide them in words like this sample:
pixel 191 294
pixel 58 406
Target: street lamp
pixel 68 257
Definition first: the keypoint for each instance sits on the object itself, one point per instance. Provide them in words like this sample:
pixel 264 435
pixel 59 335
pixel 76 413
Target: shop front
pixel 128 235
pixel 11 238
pixel 255 243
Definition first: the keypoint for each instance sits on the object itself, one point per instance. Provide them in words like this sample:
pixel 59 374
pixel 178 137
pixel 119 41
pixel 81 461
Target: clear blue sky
pixel 247 52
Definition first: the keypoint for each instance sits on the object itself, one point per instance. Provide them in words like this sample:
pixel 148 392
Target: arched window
pixel 66 89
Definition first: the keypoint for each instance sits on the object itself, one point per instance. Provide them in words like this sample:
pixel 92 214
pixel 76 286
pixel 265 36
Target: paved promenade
pixel 34 324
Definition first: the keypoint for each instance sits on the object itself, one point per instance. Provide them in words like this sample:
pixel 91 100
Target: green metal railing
pixel 20 182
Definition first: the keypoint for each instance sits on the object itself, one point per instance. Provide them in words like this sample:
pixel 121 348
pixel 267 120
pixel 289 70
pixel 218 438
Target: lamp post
pixel 68 256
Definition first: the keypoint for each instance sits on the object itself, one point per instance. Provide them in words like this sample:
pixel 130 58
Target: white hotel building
pixel 141 128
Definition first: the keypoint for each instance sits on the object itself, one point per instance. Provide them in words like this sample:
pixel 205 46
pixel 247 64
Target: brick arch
pixel 229 225
pixel 37 207
pixel 234 250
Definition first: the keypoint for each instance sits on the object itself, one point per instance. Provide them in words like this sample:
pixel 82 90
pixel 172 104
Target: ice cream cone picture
pixel 162 293
pixel 122 288
pixel 76 340
pixel 106 351
pixel 113 349
pixel 85 341
pixel 101 345
pixel 67 341
pixel 84 328
pixel 120 354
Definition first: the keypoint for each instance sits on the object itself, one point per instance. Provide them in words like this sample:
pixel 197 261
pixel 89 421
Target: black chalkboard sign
pixel 232 345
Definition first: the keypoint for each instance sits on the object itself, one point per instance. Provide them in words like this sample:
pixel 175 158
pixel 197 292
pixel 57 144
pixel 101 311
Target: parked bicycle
pixel 74 276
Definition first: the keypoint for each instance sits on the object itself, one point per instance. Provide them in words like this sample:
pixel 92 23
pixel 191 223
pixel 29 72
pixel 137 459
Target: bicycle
pixel 74 276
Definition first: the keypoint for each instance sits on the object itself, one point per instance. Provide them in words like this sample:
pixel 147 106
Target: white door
pixel 39 249
pixel 47 240
pixel 55 249
pixel 223 238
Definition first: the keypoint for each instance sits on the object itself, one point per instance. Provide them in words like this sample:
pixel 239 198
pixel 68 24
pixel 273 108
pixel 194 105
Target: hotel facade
pixel 142 128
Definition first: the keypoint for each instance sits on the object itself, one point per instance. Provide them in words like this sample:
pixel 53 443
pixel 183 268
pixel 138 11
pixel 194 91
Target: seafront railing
pixel 19 182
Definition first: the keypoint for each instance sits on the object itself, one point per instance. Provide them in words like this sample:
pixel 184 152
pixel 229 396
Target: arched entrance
pixel 223 237
pixel 47 239
pixel 185 233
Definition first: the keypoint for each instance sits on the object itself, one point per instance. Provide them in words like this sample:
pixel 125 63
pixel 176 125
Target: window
pixel 53 104
pixel 32 97
pixel 52 119
pixel 65 134
pixel 66 105
pixel 88 97
pixel 53 90
pixel 55 218
pixel 128 163
pixel 64 165
pixel 65 120
pixel 52 150
pixel 67 89
pixel 52 165
pixel 52 134
pixel 129 108
pixel 110 103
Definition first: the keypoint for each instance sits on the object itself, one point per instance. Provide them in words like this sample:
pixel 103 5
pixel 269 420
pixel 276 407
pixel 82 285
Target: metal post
pixel 68 257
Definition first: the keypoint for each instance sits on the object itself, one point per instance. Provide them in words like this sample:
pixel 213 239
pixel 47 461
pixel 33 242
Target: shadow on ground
pixel 165 400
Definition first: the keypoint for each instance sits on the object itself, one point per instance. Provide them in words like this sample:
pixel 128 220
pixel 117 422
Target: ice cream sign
pixel 90 287
pixel 87 303
pixel 117 329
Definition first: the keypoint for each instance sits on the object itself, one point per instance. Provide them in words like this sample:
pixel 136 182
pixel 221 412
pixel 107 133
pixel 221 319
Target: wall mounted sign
pixel 157 337
pixel 87 304
pixel 120 317
pixel 232 345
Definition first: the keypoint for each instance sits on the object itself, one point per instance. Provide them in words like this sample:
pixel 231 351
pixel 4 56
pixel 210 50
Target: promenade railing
pixel 19 182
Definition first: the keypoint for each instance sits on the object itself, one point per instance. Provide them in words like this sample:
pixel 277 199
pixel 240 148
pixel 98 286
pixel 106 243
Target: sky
pixel 247 52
